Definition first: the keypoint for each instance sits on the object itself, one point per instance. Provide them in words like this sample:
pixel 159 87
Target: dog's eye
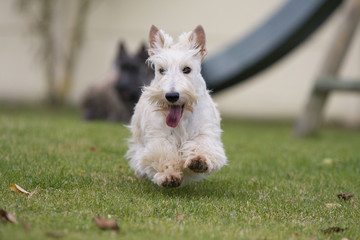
pixel 186 70
pixel 162 71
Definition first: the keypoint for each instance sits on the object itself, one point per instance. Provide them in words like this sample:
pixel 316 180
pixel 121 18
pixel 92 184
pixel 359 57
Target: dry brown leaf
pixel 6 216
pixel 328 161
pixel 333 230
pixel 331 205
pixel 180 217
pixel 106 224
pixel 290 200
pixel 93 148
pixel 16 188
pixel 345 196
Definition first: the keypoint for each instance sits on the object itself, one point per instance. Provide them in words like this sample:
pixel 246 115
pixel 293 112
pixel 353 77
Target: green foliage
pixel 275 186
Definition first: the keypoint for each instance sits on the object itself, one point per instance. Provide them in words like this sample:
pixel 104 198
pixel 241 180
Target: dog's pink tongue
pixel 174 116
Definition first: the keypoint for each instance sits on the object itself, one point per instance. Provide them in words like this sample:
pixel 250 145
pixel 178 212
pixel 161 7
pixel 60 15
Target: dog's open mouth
pixel 174 115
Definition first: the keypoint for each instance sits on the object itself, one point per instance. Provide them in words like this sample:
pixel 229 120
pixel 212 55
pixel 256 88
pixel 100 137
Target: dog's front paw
pixel 171 182
pixel 198 164
pixel 168 180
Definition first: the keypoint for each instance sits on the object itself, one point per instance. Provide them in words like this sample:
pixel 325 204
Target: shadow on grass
pixel 214 188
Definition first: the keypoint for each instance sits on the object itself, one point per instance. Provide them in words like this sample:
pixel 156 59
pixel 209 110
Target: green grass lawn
pixel 275 186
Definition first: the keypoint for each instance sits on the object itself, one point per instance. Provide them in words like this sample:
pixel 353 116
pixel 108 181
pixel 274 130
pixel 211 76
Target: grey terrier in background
pixel 114 98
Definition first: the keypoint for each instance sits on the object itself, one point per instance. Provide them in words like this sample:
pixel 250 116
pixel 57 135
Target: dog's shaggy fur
pixel 176 134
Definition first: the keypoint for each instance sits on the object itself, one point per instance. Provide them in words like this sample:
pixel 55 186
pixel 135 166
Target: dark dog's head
pixel 114 97
pixel 133 74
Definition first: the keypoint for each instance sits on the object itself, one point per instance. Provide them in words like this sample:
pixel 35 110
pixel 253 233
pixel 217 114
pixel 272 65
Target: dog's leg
pixel 203 155
pixel 162 163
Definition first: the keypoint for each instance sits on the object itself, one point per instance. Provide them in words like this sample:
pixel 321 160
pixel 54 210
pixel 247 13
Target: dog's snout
pixel 172 96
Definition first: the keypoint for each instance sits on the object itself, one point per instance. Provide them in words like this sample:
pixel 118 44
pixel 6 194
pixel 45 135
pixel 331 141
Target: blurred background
pixel 53 50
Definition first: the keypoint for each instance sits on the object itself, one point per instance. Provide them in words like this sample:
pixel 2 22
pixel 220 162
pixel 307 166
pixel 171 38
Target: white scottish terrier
pixel 176 134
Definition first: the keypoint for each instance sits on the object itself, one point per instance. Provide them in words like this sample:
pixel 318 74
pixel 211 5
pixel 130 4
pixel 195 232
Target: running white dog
pixel 176 134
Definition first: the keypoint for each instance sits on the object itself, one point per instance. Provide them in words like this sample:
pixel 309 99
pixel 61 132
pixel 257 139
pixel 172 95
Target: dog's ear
pixel 121 53
pixel 198 37
pixel 143 55
pixel 156 39
pixel 121 50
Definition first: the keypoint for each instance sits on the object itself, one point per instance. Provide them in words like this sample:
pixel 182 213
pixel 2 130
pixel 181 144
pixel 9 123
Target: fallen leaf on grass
pixel 345 196
pixel 106 224
pixel 290 200
pixel 180 217
pixel 7 217
pixel 16 188
pixel 333 230
pixel 328 161
pixel 331 205
pixel 55 234
pixel 93 148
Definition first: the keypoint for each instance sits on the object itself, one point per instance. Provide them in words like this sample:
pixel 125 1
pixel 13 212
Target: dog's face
pixel 178 82
pixel 133 74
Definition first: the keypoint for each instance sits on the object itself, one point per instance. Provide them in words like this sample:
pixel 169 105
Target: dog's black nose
pixel 172 96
